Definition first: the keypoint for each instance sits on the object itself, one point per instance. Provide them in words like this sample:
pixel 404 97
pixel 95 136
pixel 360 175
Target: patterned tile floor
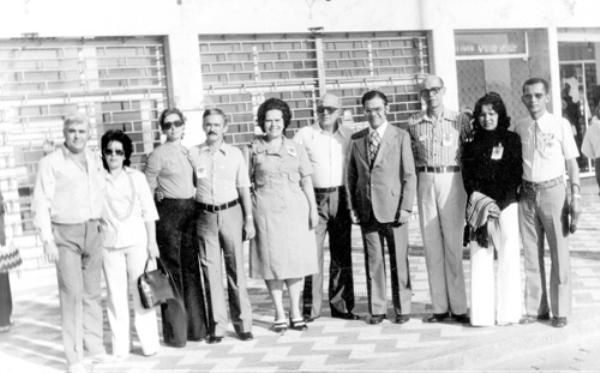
pixel 34 343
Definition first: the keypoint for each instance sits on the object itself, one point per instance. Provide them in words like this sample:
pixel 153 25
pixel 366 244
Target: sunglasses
pixel 328 109
pixel 117 152
pixel 167 125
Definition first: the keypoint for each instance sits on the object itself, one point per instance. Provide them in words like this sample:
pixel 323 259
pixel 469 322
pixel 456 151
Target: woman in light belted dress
pixel 285 212
pixel 128 217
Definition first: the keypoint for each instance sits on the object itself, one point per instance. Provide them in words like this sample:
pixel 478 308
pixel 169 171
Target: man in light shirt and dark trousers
pixel 326 144
pixel 67 201
pixel 544 207
pixel 224 222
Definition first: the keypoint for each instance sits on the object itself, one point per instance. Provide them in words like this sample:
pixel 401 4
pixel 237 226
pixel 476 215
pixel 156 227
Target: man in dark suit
pixel 381 184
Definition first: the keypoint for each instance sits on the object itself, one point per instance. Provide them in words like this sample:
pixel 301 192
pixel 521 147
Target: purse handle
pixel 159 264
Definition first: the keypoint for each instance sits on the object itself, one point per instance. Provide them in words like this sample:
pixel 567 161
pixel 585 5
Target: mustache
pixel 212 133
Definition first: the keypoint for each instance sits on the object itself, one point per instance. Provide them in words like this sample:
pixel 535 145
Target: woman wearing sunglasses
pixel 129 239
pixel 170 175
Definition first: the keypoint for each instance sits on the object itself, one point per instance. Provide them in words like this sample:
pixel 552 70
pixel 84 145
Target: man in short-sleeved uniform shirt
pixel 547 142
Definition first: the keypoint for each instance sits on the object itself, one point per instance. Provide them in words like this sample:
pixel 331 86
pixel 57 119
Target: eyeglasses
pixel 328 109
pixel 167 125
pixel 117 152
pixel 431 91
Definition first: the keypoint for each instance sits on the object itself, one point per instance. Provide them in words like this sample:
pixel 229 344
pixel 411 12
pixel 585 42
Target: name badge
pixel 447 140
pixel 497 152
pixel 201 172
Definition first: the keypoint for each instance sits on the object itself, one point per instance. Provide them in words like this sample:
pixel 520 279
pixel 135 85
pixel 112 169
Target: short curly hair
pixel 273 104
pixel 120 136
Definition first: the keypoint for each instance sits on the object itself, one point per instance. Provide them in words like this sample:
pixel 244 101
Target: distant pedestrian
pixel 67 201
pixel 437 137
pixel 591 143
pixel 326 144
pixel 491 154
pixel 544 208
pixel 381 184
pixel 224 222
pixel 129 240
pixel 169 172
pixel 5 293
pixel 284 249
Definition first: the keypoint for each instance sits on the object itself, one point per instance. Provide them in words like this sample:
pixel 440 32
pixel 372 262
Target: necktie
pixel 374 141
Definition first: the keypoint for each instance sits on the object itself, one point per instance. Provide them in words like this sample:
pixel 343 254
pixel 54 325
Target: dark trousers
pixel 183 318
pixel 374 234
pixel 5 299
pixel 334 219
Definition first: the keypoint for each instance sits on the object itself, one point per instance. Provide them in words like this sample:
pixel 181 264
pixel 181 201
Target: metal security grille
pixel 241 71
pixel 118 82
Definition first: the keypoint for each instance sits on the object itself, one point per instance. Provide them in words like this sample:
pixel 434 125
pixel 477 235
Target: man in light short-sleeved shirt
pixel 326 144
pixel 222 183
pixel 547 144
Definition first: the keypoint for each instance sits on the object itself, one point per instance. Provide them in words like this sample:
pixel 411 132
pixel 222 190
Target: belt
pixel 438 169
pixel 215 208
pixel 329 190
pixel 544 184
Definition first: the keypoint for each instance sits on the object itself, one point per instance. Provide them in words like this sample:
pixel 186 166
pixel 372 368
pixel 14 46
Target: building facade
pixel 122 62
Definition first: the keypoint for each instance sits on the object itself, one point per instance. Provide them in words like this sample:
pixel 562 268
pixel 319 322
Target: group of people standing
pixel 193 208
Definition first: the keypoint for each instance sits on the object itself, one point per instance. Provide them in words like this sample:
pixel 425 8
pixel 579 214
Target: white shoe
pixel 101 359
pixel 77 368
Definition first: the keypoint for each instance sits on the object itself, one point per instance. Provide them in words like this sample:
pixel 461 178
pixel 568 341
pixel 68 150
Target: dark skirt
pixel 5 300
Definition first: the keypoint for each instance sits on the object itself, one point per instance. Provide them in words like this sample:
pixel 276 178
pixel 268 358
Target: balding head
pixel 432 92
pixel 329 109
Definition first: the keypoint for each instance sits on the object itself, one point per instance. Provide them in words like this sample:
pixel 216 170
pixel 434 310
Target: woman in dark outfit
pixel 170 176
pixel 492 167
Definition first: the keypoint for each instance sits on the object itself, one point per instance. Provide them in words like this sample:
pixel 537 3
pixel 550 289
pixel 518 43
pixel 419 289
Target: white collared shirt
pixel 591 141
pixel 66 192
pixel 123 196
pixel 219 173
pixel 545 146
pixel 327 153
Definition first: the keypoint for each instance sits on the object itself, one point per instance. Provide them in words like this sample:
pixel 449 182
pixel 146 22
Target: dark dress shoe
pixel 528 319
pixel 401 319
pixel 345 316
pixel 308 318
pixel 246 336
pixel 376 319
pixel 559 322
pixel 212 339
pixel 437 317
pixel 463 318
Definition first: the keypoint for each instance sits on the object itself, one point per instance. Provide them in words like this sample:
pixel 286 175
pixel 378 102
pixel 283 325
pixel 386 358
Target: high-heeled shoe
pixel 280 326
pixel 298 324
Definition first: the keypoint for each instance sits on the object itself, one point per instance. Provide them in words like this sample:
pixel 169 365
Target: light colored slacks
pixel 543 212
pixel 122 267
pixel 497 300
pixel 79 271
pixel 220 236
pixel 442 200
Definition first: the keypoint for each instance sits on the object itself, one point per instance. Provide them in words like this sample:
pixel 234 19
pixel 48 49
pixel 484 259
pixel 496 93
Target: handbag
pixel 10 257
pixel 156 286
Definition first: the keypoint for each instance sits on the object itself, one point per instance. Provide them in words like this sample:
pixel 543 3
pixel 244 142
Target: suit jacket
pixel 389 186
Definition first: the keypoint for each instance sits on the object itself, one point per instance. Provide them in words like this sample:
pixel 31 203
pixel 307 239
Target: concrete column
pixel 554 69
pixel 434 17
pixel 185 74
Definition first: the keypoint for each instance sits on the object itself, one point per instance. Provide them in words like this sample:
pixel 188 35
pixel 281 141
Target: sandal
pixel 280 326
pixel 298 324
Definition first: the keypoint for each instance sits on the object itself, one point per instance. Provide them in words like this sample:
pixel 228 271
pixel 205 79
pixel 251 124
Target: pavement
pixel 332 345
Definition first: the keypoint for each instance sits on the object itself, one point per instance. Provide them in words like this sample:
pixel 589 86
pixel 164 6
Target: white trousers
pixel 497 300
pixel 122 267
